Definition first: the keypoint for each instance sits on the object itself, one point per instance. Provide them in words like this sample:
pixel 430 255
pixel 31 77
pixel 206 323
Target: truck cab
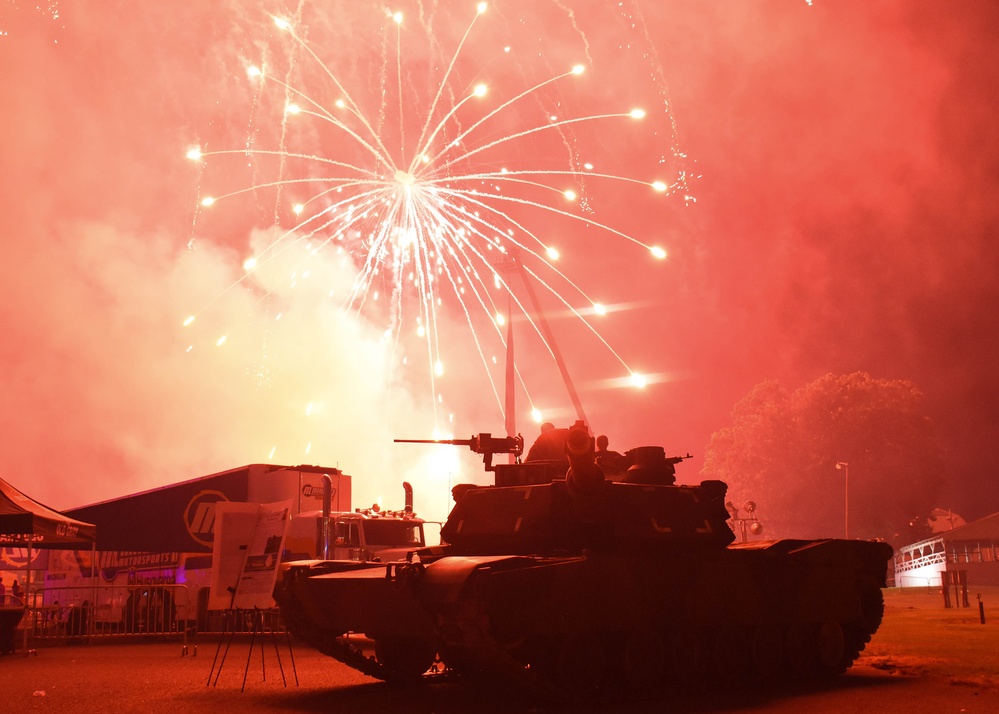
pixel 365 536
pixel 373 537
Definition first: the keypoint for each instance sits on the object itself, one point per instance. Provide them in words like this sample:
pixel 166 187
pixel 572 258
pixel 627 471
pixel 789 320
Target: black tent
pixel 25 522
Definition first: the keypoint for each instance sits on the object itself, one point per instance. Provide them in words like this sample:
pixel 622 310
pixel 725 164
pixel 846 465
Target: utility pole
pixel 846 497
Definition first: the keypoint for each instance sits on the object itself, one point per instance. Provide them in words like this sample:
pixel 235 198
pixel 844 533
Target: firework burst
pixel 437 169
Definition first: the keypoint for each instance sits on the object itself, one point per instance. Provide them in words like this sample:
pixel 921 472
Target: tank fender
pixel 836 550
pixel 444 579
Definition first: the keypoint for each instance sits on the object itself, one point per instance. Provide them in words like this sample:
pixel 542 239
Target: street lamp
pixel 846 497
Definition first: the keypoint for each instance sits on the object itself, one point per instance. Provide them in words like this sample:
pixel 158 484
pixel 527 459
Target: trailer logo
pixel 199 516
pixel 311 491
pixel 114 562
pixel 18 557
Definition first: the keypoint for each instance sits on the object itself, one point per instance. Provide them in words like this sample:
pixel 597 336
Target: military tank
pixel 589 587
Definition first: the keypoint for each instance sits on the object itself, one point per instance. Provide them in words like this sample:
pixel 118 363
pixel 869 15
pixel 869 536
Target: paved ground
pixel 897 673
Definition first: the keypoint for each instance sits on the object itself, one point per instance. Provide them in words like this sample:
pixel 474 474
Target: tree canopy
pixel 782 452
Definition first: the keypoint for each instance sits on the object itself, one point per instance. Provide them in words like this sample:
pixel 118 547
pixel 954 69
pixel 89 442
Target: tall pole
pixel 846 497
pixel 546 330
pixel 510 403
pixel 512 265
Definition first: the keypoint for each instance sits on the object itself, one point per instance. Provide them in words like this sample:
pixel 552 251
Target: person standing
pixel 550 444
pixel 613 464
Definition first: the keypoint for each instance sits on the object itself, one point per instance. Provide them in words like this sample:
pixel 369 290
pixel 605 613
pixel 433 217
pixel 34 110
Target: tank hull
pixel 600 623
pixel 588 588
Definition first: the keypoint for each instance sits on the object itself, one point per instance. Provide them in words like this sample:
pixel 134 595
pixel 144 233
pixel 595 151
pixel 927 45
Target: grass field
pixel 919 636
pixel 924 658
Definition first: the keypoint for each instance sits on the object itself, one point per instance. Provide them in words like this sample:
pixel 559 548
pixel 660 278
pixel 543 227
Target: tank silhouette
pixel 590 588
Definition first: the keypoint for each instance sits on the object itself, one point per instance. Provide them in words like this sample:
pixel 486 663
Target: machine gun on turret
pixel 484 444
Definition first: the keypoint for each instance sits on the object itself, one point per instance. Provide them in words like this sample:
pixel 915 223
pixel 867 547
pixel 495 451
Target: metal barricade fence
pixel 105 611
pixel 220 622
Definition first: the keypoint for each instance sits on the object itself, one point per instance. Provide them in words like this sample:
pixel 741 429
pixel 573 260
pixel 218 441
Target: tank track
pixel 596 669
pixel 858 634
pixel 352 650
pixel 339 649
pixel 539 666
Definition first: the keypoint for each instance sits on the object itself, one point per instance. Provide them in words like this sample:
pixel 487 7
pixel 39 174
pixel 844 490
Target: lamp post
pixel 846 497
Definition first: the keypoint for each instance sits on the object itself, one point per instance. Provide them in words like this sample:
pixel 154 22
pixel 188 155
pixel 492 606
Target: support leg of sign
pixel 227 628
pixel 291 655
pixel 253 638
pixel 277 653
pixel 258 625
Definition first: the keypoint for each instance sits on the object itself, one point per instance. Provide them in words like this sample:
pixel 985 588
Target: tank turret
pixel 580 509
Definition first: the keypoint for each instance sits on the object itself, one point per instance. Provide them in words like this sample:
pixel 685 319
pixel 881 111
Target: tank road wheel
pixel 857 633
pixel 404 659
pixel 644 661
pixel 730 652
pixel 801 644
pixel 582 667
pixel 688 657
pixel 872 605
pixel 767 651
pixel 831 648
pixel 856 636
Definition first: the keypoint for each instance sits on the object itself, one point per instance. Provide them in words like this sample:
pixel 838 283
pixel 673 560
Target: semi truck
pixel 151 567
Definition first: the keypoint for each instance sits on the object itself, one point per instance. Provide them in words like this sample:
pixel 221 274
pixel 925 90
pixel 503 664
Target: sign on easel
pixel 249 540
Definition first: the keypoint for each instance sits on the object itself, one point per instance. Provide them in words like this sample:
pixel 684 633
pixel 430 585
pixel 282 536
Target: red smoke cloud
pixel 843 158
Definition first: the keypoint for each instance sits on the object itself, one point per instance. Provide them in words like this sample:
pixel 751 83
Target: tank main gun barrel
pixel 584 476
pixel 485 444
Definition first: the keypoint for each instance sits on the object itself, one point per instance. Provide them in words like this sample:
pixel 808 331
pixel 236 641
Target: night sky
pixel 843 156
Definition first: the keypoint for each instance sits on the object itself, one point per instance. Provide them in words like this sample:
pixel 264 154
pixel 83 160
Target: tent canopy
pixel 24 522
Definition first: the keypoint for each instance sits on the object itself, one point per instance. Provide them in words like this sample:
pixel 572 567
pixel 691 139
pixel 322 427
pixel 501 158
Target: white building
pixel 970 548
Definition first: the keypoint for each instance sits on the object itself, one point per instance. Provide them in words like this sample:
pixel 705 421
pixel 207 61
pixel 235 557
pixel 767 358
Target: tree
pixel 782 450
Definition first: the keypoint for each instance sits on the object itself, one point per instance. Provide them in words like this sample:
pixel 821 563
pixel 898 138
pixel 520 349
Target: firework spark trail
pixel 509 289
pixel 481 8
pixel 430 225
